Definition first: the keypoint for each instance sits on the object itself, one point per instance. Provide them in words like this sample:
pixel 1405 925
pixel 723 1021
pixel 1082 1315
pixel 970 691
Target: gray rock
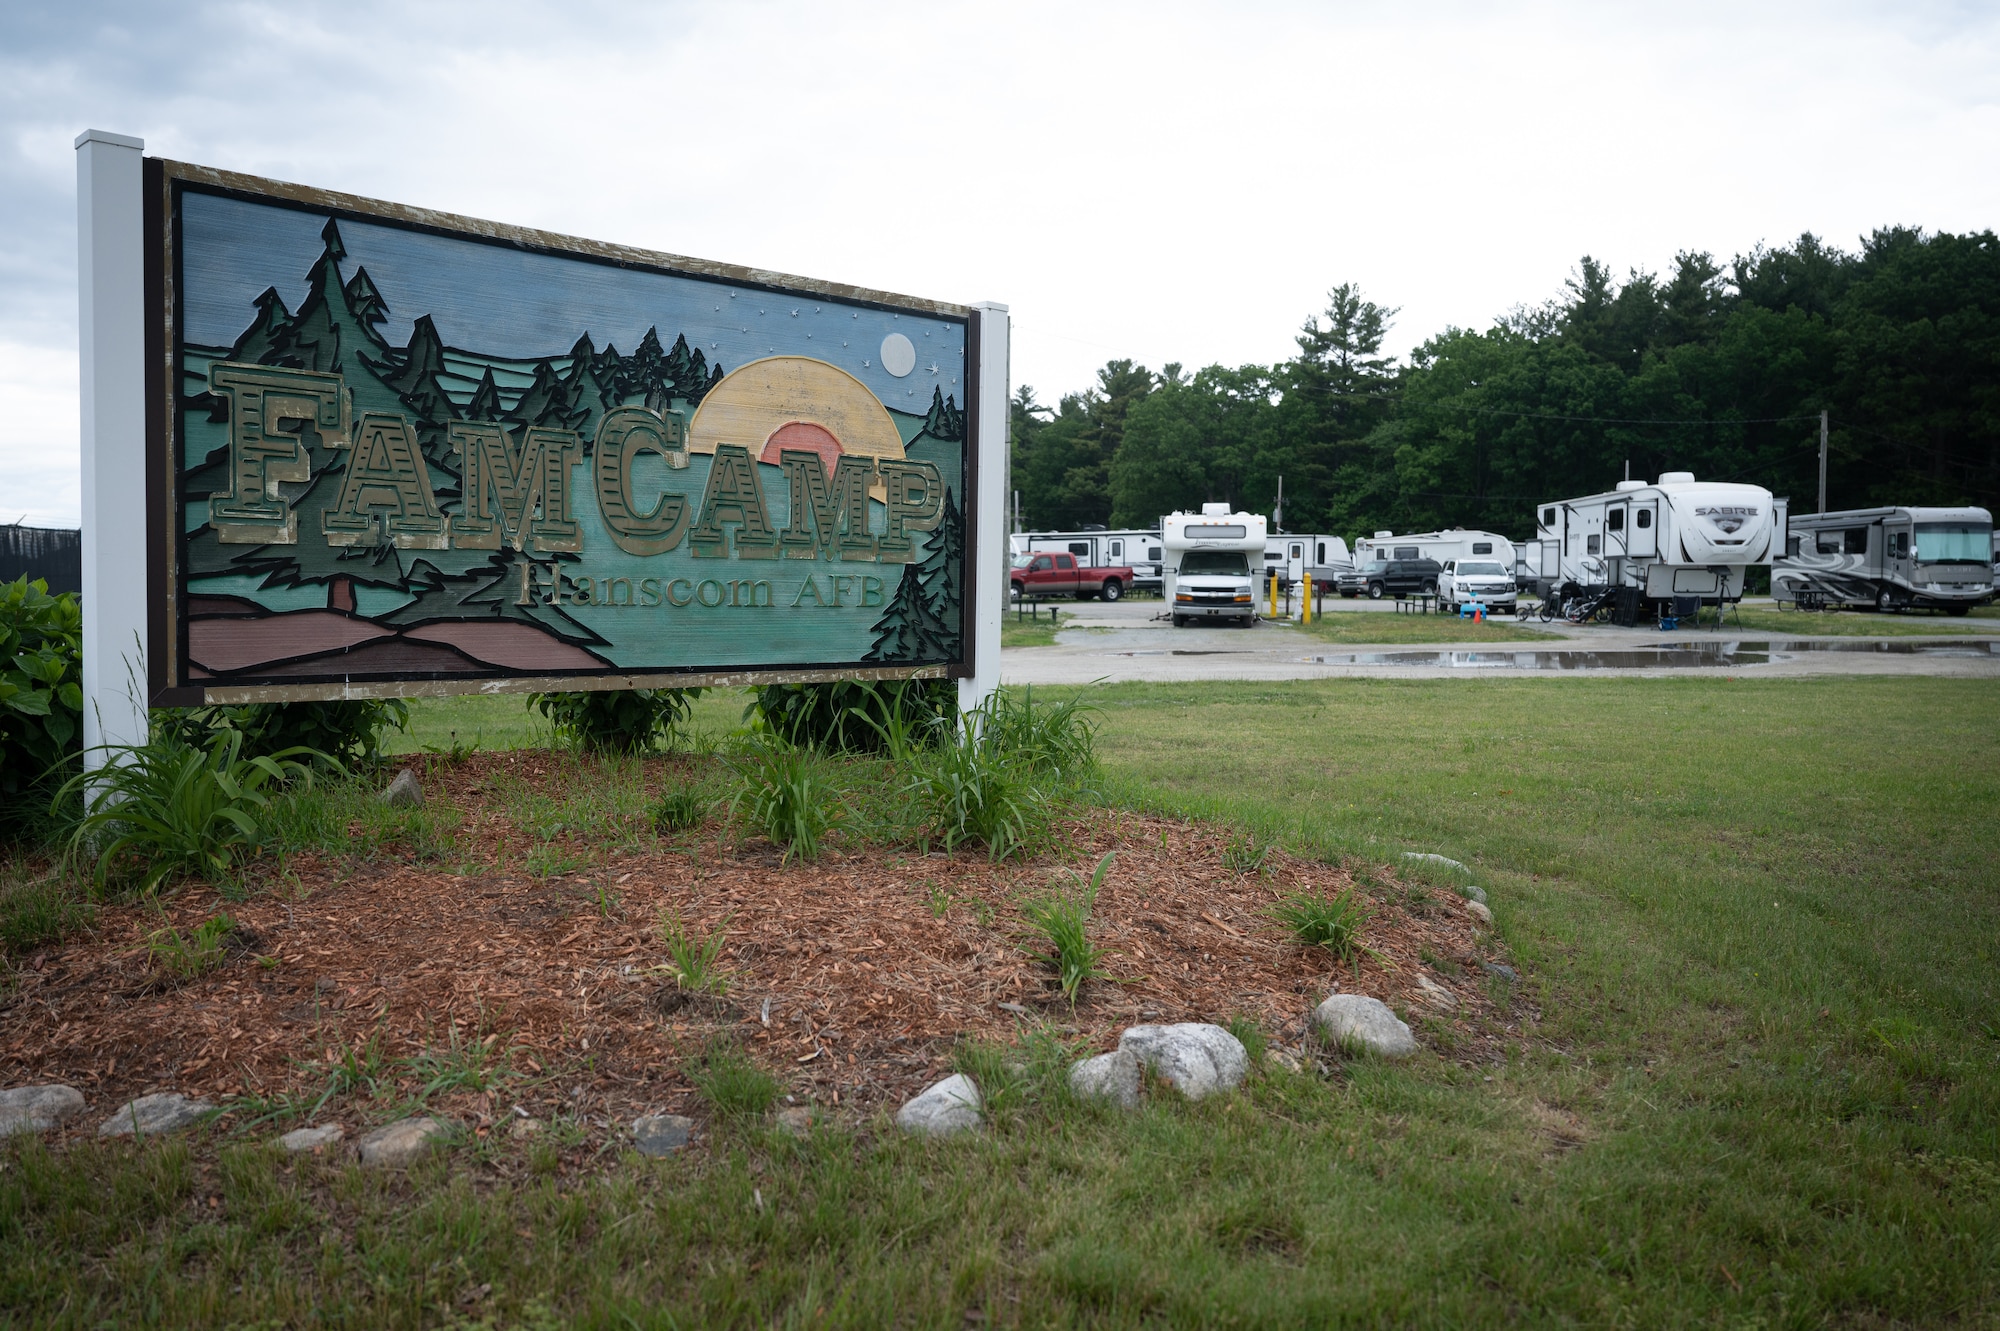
pixel 1193 1057
pixel 951 1105
pixel 523 1128
pixel 1478 911
pixel 1495 968
pixel 1285 1060
pixel 404 792
pixel 799 1120
pixel 400 1144
pixel 1354 1021
pixel 313 1139
pixel 168 1111
pixel 1425 857
pixel 38 1108
pixel 1113 1076
pixel 661 1134
pixel 1433 994
pixel 1471 893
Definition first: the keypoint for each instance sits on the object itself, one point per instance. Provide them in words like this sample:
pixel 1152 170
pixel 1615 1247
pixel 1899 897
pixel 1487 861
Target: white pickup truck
pixel 1487 581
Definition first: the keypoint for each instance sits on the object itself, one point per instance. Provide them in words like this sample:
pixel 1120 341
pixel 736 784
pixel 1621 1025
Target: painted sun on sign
pixel 407 453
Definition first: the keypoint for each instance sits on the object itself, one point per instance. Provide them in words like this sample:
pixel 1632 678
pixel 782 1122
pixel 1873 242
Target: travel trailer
pixel 1295 556
pixel 1212 564
pixel 1100 547
pixel 1678 537
pixel 1888 558
pixel 1442 546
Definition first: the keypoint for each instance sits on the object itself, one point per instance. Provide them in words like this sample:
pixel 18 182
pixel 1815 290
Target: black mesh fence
pixel 54 554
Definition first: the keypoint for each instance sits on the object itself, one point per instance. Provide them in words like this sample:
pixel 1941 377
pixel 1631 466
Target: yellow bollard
pixel 1306 612
pixel 1274 597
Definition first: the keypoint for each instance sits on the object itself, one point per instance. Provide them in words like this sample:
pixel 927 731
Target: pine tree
pixel 265 332
pixel 607 370
pixel 547 402
pixel 580 357
pixel 485 404
pixel 414 378
pixel 942 572
pixel 366 302
pixel 907 633
pixel 944 420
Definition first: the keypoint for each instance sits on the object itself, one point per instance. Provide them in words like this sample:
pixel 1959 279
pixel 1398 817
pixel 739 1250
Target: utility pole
pixel 1822 462
pixel 1017 512
pixel 1278 508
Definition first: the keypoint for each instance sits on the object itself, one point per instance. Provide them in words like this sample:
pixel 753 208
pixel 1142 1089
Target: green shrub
pixel 347 730
pixel 167 808
pixel 733 1086
pixel 41 700
pixel 786 796
pixel 851 716
pixel 1062 920
pixel 616 720
pixel 38 911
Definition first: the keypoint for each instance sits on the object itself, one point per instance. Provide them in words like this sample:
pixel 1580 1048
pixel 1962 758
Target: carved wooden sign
pixel 401 452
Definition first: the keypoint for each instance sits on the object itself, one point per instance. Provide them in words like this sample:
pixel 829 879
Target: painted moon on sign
pixel 794 402
pixel 899 355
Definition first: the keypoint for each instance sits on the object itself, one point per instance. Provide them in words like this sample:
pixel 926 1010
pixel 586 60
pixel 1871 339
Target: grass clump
pixel 194 954
pixel 41 910
pixel 1242 854
pixel 787 796
pixel 1317 919
pixel 1061 919
pixel 166 809
pixel 695 957
pixel 733 1086
pixel 681 809
pixel 462 1064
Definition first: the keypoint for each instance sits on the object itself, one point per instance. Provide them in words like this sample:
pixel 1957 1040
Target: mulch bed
pixel 851 978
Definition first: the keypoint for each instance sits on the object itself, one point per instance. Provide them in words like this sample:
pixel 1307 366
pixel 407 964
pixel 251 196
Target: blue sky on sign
pixel 1166 180
pixel 502 301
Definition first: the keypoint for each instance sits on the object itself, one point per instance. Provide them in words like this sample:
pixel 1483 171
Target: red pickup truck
pixel 1050 574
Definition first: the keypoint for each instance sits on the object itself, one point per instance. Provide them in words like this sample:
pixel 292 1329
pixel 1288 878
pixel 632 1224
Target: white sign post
pixel 110 275
pixel 986 561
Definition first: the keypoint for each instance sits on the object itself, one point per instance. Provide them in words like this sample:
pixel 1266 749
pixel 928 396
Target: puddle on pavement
pixel 1666 656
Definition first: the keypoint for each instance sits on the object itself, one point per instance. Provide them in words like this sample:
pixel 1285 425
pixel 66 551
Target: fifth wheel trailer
pixel 1296 556
pixel 1889 558
pixel 1678 537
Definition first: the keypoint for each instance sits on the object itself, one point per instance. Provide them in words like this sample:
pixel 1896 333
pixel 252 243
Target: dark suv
pixel 1396 577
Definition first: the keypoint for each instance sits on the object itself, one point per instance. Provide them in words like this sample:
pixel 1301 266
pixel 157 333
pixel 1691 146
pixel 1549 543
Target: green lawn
pixel 1982 621
pixel 1759 921
pixel 1037 632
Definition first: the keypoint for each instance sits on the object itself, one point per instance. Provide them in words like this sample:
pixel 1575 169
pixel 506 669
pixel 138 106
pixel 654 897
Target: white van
pixel 1209 571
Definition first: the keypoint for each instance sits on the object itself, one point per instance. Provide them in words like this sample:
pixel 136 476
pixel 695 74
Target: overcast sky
pixel 1160 181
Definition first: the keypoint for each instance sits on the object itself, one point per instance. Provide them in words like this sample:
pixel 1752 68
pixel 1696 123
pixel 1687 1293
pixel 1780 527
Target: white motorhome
pixel 1212 563
pixel 1444 546
pixel 1295 556
pixel 1888 558
pixel 1100 547
pixel 1678 537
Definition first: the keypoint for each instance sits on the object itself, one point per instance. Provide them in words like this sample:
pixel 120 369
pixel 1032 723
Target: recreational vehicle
pixel 1679 537
pixel 1296 556
pixel 1442 546
pixel 1211 564
pixel 1100 547
pixel 1888 558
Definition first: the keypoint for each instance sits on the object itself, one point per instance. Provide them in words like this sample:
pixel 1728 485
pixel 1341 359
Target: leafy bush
pixel 38 911
pixel 786 795
pixel 616 720
pixel 695 956
pixel 178 809
pixel 349 731
pixel 41 698
pixel 851 716
pixel 733 1086
pixel 1062 919
pixel 1319 920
